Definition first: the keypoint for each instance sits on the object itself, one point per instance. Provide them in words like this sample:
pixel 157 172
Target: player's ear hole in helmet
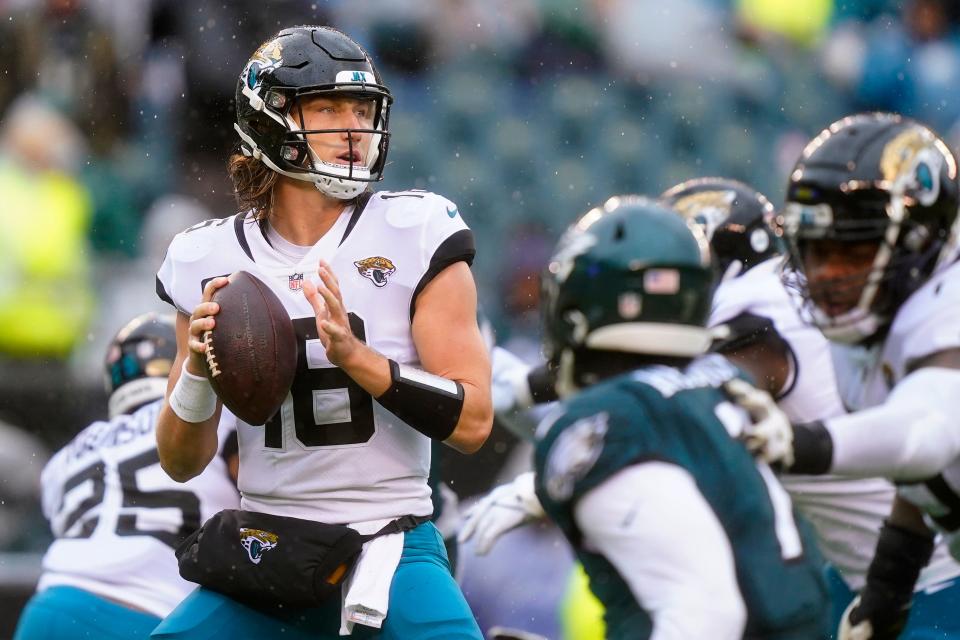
pixel 138 362
pixel 870 215
pixel 295 66
pixel 629 283
pixel 738 220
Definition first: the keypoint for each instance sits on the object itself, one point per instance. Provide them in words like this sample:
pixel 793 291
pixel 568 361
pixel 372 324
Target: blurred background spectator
pixel 116 122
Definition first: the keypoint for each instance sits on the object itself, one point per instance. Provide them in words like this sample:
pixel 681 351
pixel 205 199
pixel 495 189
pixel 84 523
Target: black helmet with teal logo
pixel 882 182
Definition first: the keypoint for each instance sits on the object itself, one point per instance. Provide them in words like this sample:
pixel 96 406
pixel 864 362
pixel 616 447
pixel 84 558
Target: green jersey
pixel 684 418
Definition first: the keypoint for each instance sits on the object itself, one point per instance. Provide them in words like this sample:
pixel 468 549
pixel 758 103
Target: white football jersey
pixel 847 514
pixel 117 517
pixel 332 453
pixel 928 322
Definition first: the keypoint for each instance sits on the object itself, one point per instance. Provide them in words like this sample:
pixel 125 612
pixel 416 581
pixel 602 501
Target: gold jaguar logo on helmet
pixel 267 59
pixel 257 542
pixel 706 208
pixel 377 269
pixel 911 164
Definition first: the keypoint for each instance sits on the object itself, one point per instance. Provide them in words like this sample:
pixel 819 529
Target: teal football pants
pixel 935 614
pixel 425 602
pixel 67 613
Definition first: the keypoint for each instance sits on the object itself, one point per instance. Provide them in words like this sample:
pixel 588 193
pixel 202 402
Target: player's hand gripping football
pixel 333 323
pixel 201 321
pixel 863 622
pixel 506 507
pixel 770 435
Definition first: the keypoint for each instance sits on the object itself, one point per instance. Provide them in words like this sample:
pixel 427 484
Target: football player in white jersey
pixel 381 297
pixel 763 333
pixel 870 219
pixel 117 518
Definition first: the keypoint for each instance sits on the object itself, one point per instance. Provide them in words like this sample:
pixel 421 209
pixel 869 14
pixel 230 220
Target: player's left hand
pixel 770 435
pixel 333 323
pixel 859 622
pixel 503 509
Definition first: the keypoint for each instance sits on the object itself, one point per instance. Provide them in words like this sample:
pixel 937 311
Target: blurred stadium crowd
pixel 117 122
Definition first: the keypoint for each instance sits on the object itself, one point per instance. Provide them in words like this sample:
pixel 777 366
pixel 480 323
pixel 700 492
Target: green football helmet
pixel 630 276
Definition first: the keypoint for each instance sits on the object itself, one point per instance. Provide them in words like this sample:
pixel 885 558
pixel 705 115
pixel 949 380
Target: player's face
pixel 837 272
pixel 339 113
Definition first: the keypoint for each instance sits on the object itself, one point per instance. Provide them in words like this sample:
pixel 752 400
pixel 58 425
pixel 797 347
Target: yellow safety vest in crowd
pixel 45 293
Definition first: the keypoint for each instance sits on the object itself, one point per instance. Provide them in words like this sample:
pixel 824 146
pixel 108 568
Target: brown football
pixel 252 350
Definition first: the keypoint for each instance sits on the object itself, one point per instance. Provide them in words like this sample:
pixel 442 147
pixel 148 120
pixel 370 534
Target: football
pixel 252 350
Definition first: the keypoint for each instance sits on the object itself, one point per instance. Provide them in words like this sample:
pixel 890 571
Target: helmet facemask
pixel 889 279
pixel 297 157
pixel 874 178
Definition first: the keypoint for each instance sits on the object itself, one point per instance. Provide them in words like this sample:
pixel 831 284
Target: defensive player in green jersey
pixel 682 533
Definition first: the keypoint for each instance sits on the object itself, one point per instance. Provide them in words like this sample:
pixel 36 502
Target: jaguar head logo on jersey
pixel 377 269
pixel 257 542
pixel 574 454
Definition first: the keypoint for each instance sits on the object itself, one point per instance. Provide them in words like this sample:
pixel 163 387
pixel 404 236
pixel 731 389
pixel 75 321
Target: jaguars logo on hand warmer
pixel 256 542
pixel 377 269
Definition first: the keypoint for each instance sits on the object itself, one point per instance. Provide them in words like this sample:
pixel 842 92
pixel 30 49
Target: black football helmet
pixel 138 362
pixel 631 277
pixel 737 220
pixel 874 178
pixel 303 61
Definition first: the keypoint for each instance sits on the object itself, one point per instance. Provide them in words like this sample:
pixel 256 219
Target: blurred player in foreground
pixel 117 517
pixel 640 453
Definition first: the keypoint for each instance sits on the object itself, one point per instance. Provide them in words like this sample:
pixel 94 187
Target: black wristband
pixel 812 449
pixel 542 382
pixel 428 403
pixel 893 573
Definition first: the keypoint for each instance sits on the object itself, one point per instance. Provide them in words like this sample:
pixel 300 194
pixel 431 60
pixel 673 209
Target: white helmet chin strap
pixel 848 328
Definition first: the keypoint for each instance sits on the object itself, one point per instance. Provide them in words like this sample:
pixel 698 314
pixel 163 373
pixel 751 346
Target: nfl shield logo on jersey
pixel 257 542
pixel 296 282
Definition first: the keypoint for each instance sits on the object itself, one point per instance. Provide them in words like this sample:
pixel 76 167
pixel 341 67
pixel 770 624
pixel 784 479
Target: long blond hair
pixel 253 183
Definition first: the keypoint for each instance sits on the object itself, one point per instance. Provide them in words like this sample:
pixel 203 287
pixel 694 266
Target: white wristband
pixel 193 398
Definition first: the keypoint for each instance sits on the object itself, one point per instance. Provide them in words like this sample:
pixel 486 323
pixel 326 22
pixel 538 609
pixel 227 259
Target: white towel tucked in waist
pixel 366 591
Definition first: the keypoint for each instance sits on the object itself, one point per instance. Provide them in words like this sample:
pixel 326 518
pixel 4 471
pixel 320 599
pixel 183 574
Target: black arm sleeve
pixel 893 573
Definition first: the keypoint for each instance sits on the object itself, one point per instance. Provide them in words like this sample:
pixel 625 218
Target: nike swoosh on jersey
pixel 940 586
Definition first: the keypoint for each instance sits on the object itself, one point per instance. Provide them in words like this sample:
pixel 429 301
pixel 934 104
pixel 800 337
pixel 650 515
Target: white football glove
pixel 886 621
pixel 860 631
pixel 506 507
pixel 770 436
pixel 510 390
